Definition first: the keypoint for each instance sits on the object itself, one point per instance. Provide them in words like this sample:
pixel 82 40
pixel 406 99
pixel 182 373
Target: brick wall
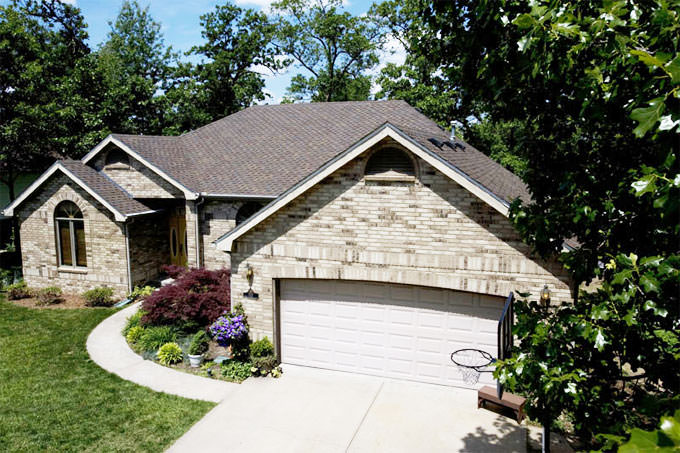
pixel 136 179
pixel 149 247
pixel 431 232
pixel 217 218
pixel 190 217
pixel 104 239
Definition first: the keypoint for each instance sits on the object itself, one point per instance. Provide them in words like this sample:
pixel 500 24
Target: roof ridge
pixel 270 106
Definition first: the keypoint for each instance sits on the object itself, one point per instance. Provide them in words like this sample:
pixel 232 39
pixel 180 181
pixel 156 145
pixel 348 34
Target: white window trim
pixel 72 238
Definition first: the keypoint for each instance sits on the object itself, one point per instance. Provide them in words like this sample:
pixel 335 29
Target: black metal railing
pixel 505 334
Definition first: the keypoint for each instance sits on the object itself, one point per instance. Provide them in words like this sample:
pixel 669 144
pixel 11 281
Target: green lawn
pixel 54 398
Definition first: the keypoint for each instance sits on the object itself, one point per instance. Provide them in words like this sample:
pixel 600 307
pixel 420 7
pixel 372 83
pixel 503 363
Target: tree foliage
pixel 420 80
pixel 134 63
pixel 49 92
pixel 238 42
pixel 594 83
pixel 335 47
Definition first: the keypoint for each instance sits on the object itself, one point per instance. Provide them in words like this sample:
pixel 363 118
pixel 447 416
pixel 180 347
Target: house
pixel 361 236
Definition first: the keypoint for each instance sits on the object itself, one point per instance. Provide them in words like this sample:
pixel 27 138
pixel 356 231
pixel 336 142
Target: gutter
pixel 238 196
pixel 199 201
pixel 127 251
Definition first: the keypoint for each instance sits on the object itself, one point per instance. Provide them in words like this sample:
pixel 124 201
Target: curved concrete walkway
pixel 109 350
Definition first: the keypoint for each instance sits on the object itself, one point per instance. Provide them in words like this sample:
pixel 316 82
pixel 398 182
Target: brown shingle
pixel 264 150
pixel 105 188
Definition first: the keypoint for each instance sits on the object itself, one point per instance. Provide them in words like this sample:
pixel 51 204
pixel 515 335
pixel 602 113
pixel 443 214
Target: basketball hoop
pixel 471 363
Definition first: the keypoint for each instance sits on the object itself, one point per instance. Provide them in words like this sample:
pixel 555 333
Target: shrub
pixel 173 270
pixel 169 353
pixel 49 296
pixel 262 366
pixel 134 321
pixel 198 295
pixel 155 337
pixel 18 290
pixel 99 297
pixel 207 368
pixel 141 292
pixel 262 348
pixel 199 343
pixel 236 371
pixel 134 335
pixel 6 277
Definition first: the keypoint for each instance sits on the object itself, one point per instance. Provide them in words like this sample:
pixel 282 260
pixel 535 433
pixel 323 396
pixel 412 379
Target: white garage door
pixel 397 331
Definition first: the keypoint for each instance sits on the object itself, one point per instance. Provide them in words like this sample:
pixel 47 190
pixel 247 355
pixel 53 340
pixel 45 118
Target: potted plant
pixel 198 347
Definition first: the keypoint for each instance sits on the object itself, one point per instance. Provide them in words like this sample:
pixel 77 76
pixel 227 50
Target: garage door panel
pixel 398 331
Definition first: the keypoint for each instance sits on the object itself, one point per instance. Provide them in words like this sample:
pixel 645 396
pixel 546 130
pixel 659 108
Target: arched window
pixel 70 234
pixel 117 157
pixel 390 162
pixel 247 210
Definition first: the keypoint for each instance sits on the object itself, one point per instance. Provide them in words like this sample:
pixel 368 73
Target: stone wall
pixel 136 178
pixel 149 248
pixel 430 232
pixel 104 241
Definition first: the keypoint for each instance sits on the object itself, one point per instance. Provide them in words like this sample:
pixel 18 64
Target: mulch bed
pixel 69 301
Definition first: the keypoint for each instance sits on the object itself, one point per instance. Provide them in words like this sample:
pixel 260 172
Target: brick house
pixel 374 240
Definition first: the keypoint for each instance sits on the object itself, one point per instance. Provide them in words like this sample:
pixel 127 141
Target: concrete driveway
pixel 311 410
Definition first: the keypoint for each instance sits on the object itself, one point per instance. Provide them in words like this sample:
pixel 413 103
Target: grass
pixel 54 398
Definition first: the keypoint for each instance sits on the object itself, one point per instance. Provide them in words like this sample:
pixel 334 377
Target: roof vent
pixel 454 145
pixel 390 161
pixel 454 126
pixel 435 142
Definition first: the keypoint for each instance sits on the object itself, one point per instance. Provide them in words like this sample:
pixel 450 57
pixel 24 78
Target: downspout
pixel 127 251
pixel 199 201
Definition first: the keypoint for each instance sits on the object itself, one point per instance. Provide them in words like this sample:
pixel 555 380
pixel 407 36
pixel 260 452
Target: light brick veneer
pixel 136 179
pixel 104 239
pixel 431 232
pixel 217 218
pixel 149 246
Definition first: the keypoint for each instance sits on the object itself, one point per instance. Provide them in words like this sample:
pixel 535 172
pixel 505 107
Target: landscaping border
pixel 108 349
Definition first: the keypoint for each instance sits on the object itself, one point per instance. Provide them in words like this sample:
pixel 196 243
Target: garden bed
pixel 190 319
pixel 68 301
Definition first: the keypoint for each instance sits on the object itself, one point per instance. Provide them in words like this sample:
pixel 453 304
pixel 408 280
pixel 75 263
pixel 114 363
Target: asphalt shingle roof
pixel 105 188
pixel 264 150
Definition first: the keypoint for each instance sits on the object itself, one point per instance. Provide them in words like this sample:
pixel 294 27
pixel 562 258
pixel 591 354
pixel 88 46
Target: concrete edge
pixel 108 349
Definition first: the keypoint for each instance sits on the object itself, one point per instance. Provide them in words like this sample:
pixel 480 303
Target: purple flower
pixel 228 328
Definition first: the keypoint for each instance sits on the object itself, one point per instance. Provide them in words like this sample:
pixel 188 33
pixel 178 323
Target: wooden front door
pixel 178 239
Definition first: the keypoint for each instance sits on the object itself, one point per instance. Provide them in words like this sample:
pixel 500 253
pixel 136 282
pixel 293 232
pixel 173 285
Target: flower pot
pixel 195 360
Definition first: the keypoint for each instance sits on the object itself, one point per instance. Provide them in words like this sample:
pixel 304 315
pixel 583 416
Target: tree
pixel 135 63
pixel 238 41
pixel 335 47
pixel 420 80
pixel 503 141
pixel 597 85
pixel 42 47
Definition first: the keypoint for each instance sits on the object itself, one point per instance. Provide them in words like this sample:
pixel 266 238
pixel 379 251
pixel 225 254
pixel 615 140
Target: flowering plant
pixel 228 328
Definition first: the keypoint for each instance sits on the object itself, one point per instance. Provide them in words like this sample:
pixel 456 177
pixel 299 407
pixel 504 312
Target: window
pixel 390 162
pixel 117 157
pixel 247 210
pixel 70 234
